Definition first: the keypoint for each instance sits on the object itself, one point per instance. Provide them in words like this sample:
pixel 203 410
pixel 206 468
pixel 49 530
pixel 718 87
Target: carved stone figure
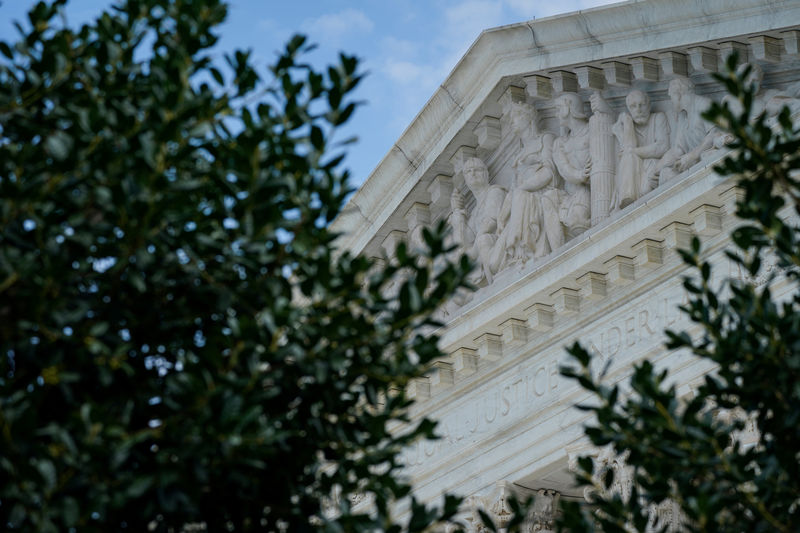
pixel 572 159
pixel 529 222
pixel 543 514
pixel 603 157
pixel 666 516
pixel 500 510
pixel 769 101
pixel 475 524
pixel 477 235
pixel 473 505
pixel 643 139
pixel 775 100
pixel 693 135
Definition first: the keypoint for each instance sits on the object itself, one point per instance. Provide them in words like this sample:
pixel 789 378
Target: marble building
pixel 569 158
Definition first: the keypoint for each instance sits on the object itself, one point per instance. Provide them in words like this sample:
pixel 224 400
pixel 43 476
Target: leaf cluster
pixel 179 341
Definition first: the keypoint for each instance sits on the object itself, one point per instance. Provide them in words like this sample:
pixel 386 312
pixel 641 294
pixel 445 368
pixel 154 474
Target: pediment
pixel 568 157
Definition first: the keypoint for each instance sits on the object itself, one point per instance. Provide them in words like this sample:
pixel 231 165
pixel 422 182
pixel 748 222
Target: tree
pixel 680 449
pixel 180 342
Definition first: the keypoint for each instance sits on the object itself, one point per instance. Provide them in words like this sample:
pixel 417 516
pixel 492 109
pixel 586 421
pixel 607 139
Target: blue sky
pixel 407 46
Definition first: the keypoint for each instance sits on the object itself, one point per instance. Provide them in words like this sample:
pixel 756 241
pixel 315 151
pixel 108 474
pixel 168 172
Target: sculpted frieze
pixel 570 160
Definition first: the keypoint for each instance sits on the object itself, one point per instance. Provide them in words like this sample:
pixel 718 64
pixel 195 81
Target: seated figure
pixel 573 162
pixel 693 135
pixel 476 235
pixel 643 139
pixel 529 220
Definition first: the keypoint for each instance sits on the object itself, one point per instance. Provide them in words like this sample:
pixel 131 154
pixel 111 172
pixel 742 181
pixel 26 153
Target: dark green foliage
pixel 677 448
pixel 179 341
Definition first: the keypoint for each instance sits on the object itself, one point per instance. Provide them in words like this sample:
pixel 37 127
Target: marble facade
pixel 568 156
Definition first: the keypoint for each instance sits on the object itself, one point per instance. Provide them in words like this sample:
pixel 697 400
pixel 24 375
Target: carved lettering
pixel 639 325
pixel 490 401
pixel 430 447
pixel 540 381
pixel 613 341
pixel 516 385
pixel 670 315
pixel 593 347
pixel 630 331
pixel 643 318
pixel 553 376
pixel 473 427
pixel 506 400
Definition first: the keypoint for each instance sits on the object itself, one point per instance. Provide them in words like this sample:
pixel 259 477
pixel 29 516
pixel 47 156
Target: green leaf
pixel 17 515
pixel 139 486
pixel 58 145
pixel 47 470
pixel 6 50
pixel 71 512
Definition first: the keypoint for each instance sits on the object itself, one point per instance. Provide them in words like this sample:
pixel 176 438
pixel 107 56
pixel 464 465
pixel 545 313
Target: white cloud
pixel 402 71
pixel 337 25
pixel 394 47
pixel 461 24
pixel 408 72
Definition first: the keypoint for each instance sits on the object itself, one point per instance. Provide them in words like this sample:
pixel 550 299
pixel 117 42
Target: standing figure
pixel 529 221
pixel 477 235
pixel 571 157
pixel 693 134
pixel 643 139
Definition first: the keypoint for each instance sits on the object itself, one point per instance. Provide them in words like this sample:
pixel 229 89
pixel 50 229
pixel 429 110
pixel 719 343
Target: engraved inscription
pixel 510 400
pixel 536 385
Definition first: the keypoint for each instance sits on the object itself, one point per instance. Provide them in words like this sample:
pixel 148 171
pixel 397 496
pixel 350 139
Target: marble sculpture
pixel 529 224
pixel 595 166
